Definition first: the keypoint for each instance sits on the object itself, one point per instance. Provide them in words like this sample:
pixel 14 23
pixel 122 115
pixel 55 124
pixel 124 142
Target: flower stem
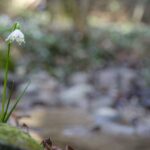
pixel 5 79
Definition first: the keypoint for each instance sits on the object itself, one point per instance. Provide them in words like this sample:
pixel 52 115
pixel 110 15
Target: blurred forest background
pixel 90 57
pixel 68 35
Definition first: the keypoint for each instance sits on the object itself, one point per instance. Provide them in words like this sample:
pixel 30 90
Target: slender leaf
pixel 8 102
pixel 18 99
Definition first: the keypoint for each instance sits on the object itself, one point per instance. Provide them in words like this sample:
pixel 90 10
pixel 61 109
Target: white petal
pixel 16 36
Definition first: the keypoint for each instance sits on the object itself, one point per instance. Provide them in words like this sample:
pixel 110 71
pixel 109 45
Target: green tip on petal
pixel 16 26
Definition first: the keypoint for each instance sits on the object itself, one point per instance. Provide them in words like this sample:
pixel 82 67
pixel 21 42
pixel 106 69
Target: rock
pixel 143 130
pixel 131 112
pixel 76 95
pixel 76 131
pixel 108 120
pixel 128 121
pixel 117 129
pixel 42 90
pixel 145 94
pixel 116 78
pixel 79 78
pixel 103 101
pixel 12 138
pixel 106 114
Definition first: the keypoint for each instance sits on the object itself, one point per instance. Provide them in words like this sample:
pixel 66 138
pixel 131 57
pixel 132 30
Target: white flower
pixel 16 36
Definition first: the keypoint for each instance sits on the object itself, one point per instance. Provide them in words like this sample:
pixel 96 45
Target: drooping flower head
pixel 16 36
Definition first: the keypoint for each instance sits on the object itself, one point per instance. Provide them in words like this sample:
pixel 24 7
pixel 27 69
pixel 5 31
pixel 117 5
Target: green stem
pixel 5 79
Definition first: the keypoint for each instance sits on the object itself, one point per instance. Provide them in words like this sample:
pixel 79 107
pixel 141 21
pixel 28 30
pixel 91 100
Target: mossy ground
pixel 14 137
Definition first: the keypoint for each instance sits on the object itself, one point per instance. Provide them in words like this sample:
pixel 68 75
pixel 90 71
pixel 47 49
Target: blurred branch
pixel 78 11
pixel 139 10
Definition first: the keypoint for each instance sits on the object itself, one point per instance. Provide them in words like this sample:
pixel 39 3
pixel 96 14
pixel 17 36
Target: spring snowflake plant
pixel 16 36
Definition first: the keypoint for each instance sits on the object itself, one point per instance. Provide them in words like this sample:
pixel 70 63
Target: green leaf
pixel 8 103
pixel 17 101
